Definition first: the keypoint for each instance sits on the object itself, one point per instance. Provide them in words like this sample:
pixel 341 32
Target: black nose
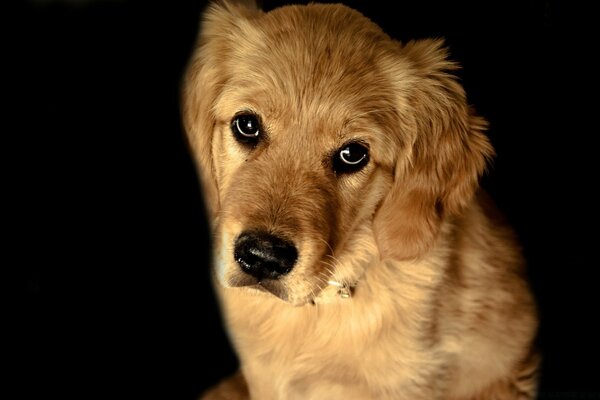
pixel 263 255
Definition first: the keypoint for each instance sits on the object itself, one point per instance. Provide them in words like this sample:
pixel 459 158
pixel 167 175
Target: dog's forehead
pixel 332 30
pixel 318 62
pixel 322 52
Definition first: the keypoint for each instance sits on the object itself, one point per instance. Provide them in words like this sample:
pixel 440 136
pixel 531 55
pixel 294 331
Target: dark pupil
pixel 248 125
pixel 350 158
pixel 352 153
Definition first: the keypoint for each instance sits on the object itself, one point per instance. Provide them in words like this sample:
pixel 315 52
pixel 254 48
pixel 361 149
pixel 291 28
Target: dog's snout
pixel 263 255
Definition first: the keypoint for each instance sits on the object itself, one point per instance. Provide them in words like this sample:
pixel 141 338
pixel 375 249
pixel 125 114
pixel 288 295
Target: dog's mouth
pixel 320 295
pixel 270 286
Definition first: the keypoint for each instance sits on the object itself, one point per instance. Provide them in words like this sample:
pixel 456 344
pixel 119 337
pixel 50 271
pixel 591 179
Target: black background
pixel 106 224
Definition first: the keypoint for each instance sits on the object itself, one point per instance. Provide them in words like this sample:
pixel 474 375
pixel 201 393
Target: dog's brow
pixel 379 110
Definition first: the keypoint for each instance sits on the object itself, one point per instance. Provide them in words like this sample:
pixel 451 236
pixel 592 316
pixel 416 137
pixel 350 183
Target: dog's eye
pixel 246 128
pixel 350 158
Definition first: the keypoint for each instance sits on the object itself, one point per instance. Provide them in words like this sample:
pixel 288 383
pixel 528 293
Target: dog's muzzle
pixel 263 255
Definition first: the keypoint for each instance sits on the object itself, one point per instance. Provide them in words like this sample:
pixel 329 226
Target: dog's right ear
pixel 206 74
pixel 438 176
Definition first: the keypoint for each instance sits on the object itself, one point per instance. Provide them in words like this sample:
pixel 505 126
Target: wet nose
pixel 263 255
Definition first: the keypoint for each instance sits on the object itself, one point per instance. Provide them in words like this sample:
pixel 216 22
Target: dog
pixel 355 256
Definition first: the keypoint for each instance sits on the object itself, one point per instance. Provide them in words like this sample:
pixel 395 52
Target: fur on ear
pixel 205 75
pixel 449 153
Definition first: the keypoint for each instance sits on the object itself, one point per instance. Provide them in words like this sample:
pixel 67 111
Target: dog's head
pixel 314 131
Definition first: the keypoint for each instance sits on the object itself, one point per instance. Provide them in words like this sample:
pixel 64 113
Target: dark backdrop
pixel 109 234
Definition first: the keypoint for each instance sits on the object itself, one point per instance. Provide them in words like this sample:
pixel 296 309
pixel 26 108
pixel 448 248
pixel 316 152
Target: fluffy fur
pixel 438 306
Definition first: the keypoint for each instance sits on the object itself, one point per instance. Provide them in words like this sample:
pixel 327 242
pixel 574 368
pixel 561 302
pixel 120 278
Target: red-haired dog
pixel 354 255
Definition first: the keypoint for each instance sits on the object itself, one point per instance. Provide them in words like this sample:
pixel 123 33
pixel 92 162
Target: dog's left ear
pixel 206 75
pixel 438 174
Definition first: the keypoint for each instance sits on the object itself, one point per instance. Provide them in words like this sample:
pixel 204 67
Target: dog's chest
pixel 325 348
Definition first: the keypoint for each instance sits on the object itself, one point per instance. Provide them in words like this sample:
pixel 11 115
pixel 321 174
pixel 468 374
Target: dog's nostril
pixel 263 255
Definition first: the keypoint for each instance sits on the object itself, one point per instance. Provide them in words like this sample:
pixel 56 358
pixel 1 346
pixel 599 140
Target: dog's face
pixel 314 133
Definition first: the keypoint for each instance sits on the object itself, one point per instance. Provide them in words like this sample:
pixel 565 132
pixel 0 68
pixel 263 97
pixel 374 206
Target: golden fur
pixel 438 307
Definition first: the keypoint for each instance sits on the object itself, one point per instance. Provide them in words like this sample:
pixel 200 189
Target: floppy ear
pixel 206 74
pixel 449 152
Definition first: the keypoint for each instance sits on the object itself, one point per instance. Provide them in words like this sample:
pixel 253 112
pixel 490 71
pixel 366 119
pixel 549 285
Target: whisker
pixel 335 259
pixel 327 244
pixel 332 270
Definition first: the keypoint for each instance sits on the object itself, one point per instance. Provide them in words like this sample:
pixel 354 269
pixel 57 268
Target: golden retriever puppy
pixel 355 257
